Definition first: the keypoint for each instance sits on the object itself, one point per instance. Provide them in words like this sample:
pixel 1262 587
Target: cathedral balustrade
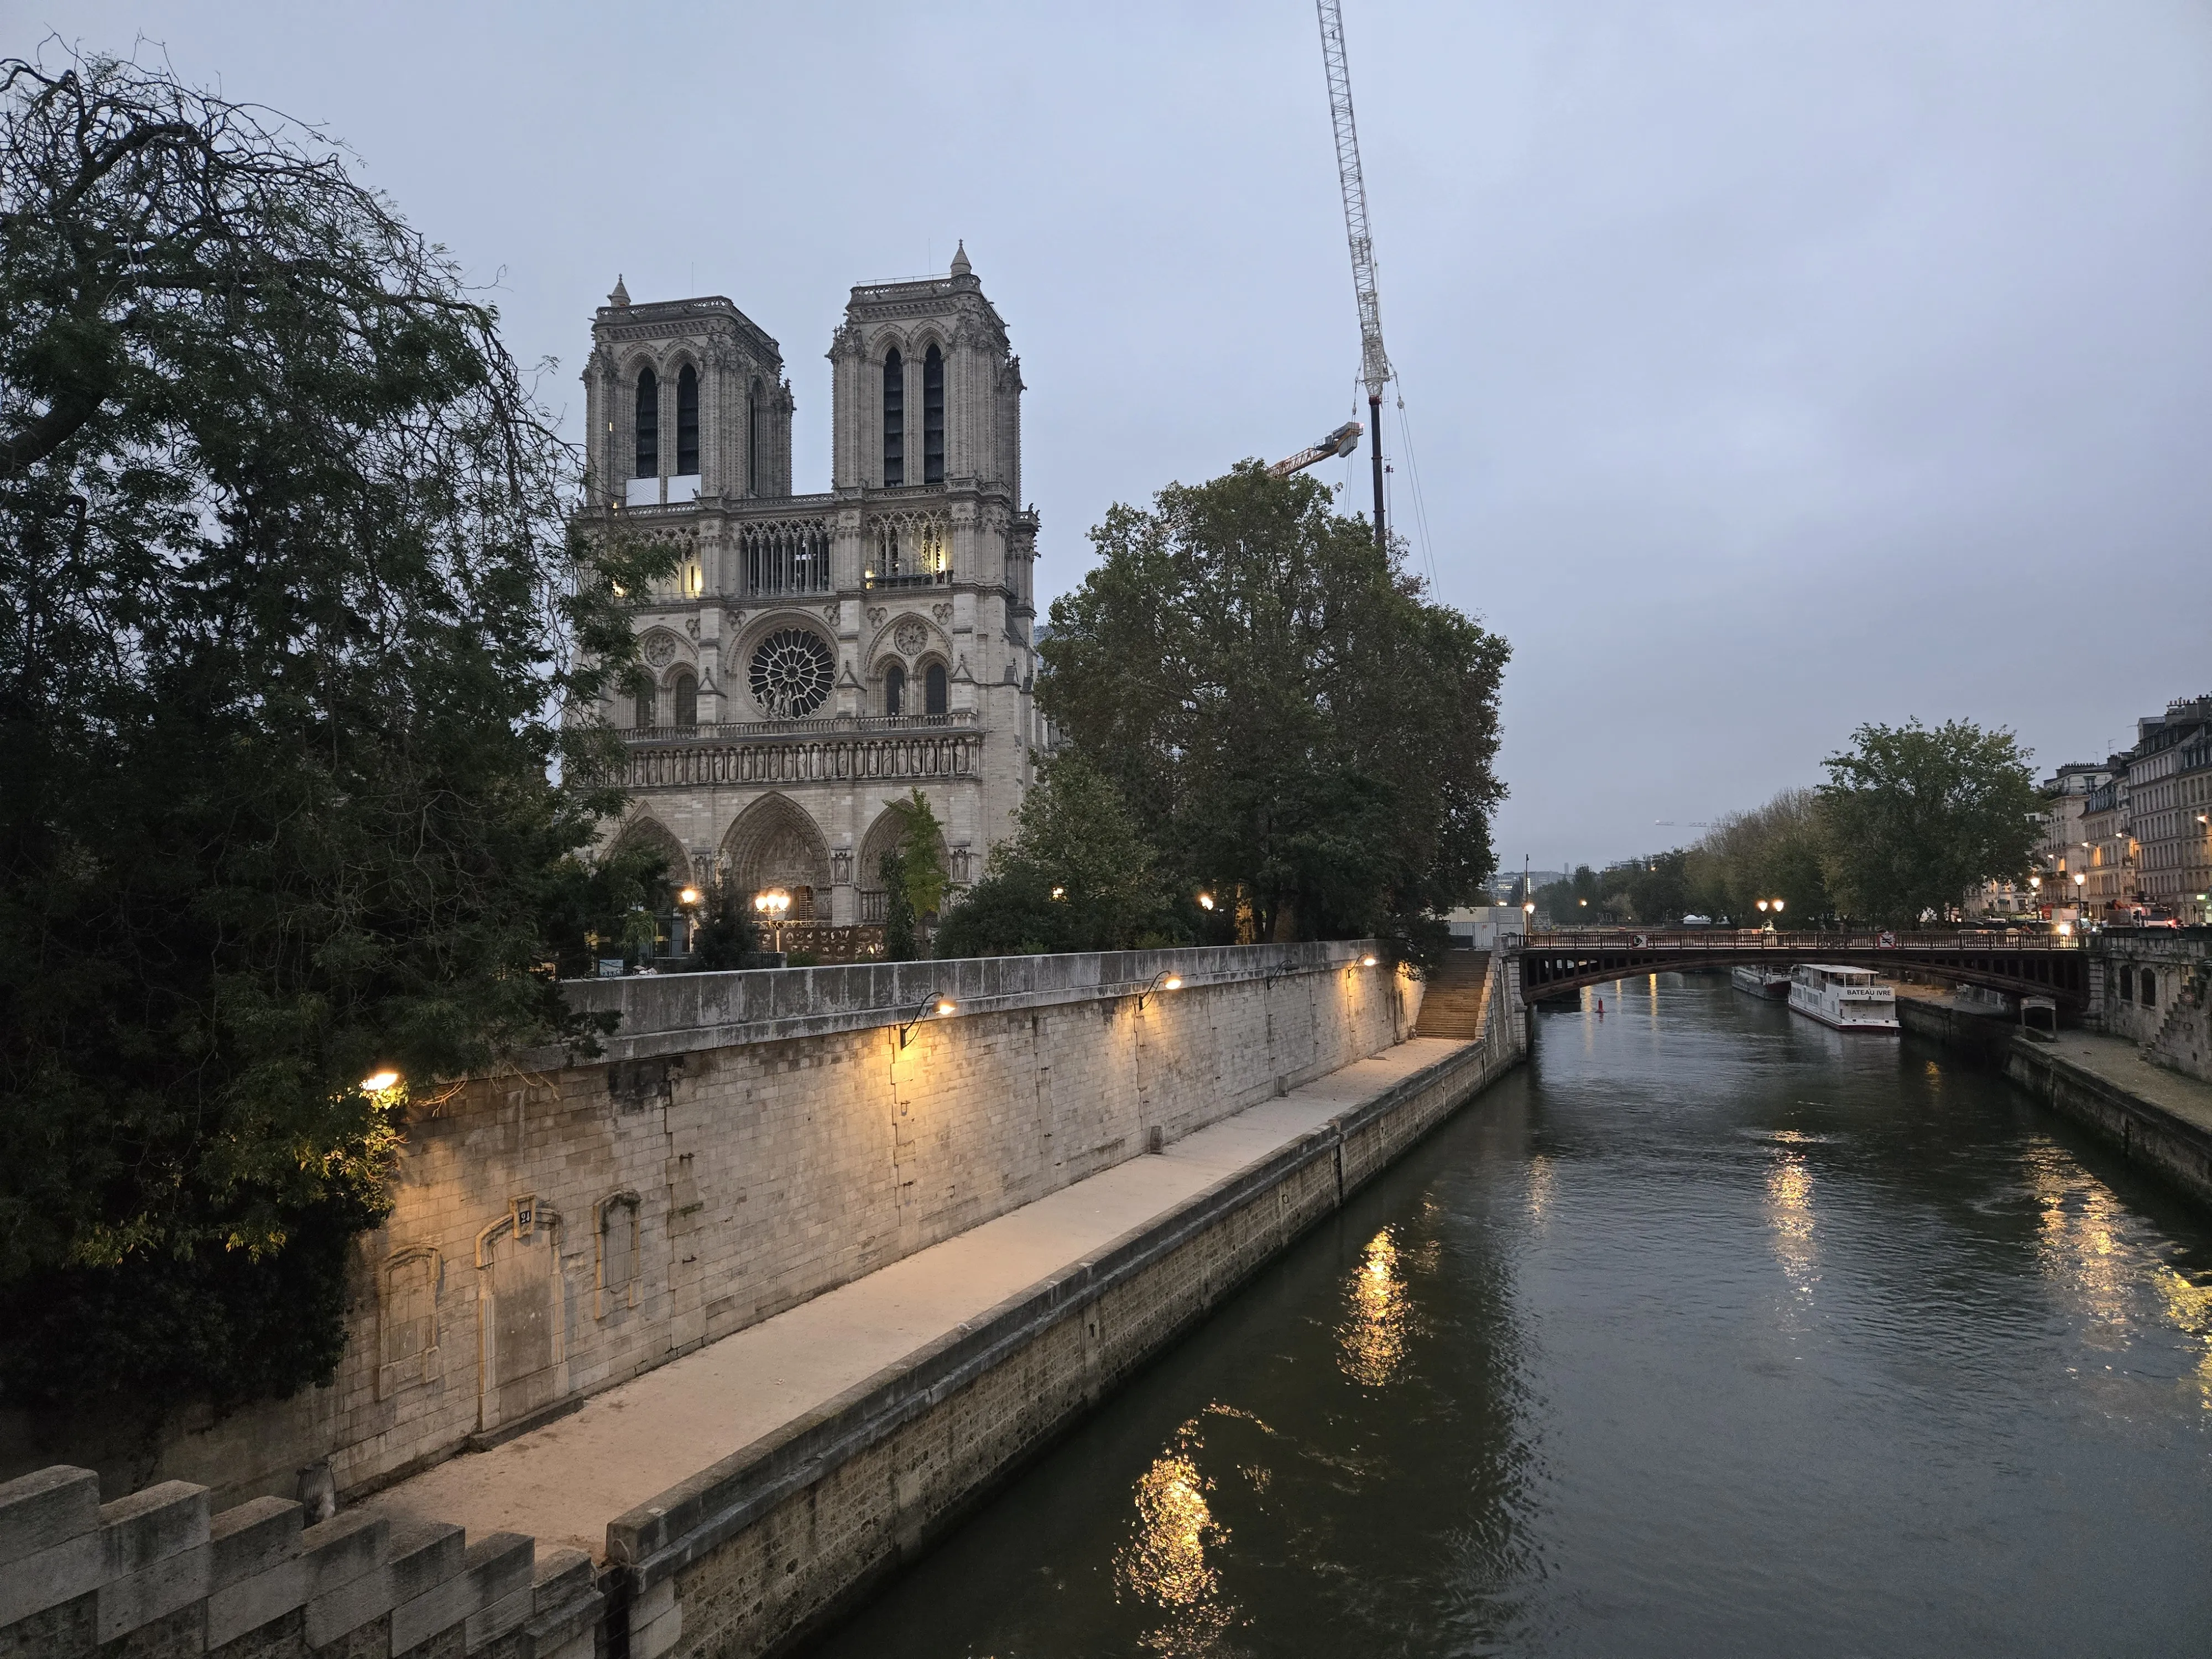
pixel 898 746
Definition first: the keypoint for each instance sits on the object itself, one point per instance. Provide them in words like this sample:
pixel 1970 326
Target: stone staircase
pixel 1454 996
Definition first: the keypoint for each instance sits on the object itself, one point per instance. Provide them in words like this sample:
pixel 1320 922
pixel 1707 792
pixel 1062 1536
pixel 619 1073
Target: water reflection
pixel 2109 1263
pixel 1164 1564
pixel 1371 1340
pixel 2189 1306
pixel 1790 1213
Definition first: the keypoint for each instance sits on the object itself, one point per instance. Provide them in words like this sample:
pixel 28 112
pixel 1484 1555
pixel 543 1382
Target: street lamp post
pixel 772 904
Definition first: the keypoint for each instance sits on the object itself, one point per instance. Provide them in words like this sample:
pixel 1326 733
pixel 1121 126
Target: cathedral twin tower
pixel 814 656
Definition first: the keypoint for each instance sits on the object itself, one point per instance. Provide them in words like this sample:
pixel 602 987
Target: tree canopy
pixel 1285 714
pixel 290 623
pixel 1076 875
pixel 1778 851
pixel 1917 817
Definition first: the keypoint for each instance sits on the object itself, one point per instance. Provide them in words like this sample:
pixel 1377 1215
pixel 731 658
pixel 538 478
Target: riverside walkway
pixel 564 1482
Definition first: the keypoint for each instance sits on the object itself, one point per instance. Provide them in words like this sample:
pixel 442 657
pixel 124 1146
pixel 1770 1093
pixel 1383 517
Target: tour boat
pixel 1849 999
pixel 1761 982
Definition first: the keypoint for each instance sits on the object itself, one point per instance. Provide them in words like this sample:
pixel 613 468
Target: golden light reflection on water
pixel 1790 1213
pixel 1163 1564
pixel 2189 1307
pixel 2078 1240
pixel 1371 1341
pixel 1542 1179
pixel 2100 1255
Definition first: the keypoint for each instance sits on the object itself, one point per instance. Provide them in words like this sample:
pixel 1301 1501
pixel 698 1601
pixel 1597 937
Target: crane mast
pixel 1374 361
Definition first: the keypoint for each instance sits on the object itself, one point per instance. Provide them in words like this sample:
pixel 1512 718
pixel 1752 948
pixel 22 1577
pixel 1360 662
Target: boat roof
pixel 1840 968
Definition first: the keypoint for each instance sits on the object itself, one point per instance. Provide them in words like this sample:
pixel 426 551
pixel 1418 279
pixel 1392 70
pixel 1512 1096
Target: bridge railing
pixel 1734 941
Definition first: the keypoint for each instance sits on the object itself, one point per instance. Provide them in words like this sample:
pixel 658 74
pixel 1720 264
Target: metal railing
pixel 1734 941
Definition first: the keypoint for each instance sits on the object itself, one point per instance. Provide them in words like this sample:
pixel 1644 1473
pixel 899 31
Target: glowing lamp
pixel 377 1082
pixel 1206 901
pixel 689 895
pixel 1367 961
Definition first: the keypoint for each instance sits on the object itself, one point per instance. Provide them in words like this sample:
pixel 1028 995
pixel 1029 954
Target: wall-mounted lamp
pixel 1160 982
pixel 379 1083
pixel 1367 961
pixel 935 1003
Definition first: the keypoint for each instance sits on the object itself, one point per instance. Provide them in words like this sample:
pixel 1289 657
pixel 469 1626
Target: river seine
pixel 1710 1331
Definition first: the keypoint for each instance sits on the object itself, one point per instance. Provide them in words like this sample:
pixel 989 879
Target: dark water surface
pixel 1709 1332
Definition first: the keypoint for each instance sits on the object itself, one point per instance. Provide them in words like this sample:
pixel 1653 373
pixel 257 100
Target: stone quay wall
pixel 2156 989
pixel 747 1140
pixel 758 1553
pixel 155 1575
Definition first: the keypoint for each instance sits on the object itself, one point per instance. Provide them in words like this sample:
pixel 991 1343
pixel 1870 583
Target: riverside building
pixel 814 656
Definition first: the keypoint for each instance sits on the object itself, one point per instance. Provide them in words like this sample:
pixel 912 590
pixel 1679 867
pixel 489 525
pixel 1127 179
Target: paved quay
pixel 564 1482
pixel 2117 1061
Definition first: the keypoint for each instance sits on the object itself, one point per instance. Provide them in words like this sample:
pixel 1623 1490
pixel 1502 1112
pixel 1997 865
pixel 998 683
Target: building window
pixel 893 690
pixel 687 422
pixel 753 439
pixel 2146 989
pixel 933 417
pixel 687 700
pixel 647 703
pixel 893 420
pixel 933 690
pixel 648 425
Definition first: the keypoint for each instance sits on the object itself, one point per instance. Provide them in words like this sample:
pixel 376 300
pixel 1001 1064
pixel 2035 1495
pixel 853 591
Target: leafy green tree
pixel 899 942
pixel 1076 875
pixel 290 623
pixel 726 935
pixel 1776 851
pixel 1916 817
pixel 1286 715
pixel 922 853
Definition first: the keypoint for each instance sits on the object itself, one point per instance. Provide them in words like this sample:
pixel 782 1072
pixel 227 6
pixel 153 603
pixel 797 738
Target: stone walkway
pixel 564 1482
pixel 2117 1061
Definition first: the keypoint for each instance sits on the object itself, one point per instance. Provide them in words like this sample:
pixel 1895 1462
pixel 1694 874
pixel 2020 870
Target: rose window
pixel 791 674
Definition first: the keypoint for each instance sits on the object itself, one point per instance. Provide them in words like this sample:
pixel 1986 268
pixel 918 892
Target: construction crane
pixel 1342 441
pixel 1374 361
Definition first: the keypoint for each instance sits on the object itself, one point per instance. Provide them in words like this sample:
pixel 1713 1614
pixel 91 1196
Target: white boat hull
pixel 1855 1011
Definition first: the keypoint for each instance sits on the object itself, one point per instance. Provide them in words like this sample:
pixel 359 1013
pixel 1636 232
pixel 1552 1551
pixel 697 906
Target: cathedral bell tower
pixel 684 398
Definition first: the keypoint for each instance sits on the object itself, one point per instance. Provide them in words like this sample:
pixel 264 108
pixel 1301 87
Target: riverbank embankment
pixel 742 1496
pixel 2160 1118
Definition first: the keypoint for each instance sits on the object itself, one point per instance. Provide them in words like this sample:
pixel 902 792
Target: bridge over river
pixel 2025 964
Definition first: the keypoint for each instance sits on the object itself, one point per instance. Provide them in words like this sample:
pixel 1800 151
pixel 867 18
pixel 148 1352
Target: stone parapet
pixel 157 1575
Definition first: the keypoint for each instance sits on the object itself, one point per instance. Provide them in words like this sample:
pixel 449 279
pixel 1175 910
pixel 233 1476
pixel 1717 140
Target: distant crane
pixel 1374 361
pixel 1342 441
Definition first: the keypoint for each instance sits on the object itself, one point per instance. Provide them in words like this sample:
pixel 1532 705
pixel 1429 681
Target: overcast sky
pixel 1771 367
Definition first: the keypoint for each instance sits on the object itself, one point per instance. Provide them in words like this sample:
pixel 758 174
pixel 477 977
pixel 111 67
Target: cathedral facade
pixel 815 656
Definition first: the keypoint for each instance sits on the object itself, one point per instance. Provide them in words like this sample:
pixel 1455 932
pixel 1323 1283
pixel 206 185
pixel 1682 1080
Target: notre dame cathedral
pixel 814 656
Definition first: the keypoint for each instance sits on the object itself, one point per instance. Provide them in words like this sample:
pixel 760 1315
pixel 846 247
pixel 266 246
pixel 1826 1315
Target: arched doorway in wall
pixel 883 837
pixel 774 843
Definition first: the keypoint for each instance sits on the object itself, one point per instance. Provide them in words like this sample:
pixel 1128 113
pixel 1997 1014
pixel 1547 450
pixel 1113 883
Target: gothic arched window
pixel 647 711
pixel 933 417
pixel 687 422
pixel 687 700
pixel 753 440
pixel 933 690
pixel 894 419
pixel 893 690
pixel 648 425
